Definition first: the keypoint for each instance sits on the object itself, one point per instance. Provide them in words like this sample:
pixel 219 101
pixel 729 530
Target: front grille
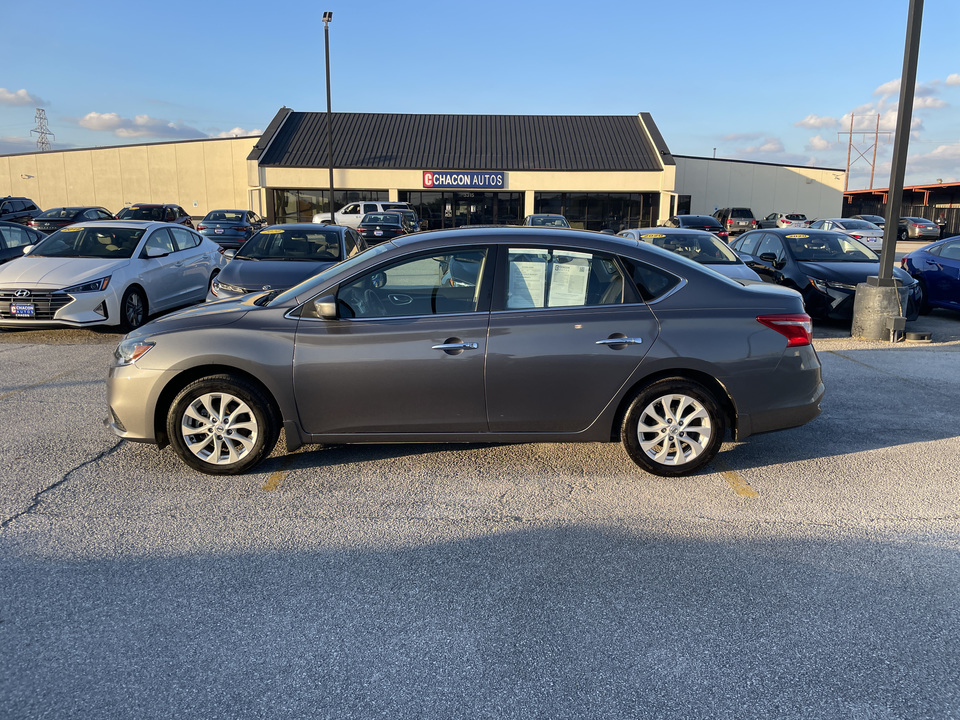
pixel 45 304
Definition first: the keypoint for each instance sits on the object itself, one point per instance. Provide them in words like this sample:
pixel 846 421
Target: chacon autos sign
pixel 458 179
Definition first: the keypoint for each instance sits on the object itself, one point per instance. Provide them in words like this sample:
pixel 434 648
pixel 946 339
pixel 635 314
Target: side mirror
pixel 27 249
pixel 230 254
pixel 326 307
pixel 769 258
pixel 156 252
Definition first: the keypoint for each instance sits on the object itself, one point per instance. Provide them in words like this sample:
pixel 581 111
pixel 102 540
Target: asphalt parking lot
pixel 811 573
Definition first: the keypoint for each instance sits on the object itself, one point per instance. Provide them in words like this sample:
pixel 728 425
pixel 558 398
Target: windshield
pixel 859 225
pixel 224 216
pixel 299 243
pixel 58 214
pixel 318 280
pixel 98 242
pixel 705 248
pixel 828 247
pixel 136 212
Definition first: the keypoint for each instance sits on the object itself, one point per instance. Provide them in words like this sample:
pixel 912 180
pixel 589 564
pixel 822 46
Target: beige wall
pixel 200 175
pixel 711 184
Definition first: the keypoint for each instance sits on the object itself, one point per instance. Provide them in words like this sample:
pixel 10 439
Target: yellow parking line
pixel 273 482
pixel 740 486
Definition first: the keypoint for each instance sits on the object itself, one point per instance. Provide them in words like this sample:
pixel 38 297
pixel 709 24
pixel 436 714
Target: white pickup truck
pixel 352 213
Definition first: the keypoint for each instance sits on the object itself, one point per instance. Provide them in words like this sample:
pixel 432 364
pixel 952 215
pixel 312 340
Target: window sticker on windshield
pixel 274 231
pixel 797 237
pixel 71 229
pixel 654 236
pixel 133 207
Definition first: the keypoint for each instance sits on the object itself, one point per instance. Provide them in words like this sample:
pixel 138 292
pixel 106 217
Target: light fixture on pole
pixel 327 19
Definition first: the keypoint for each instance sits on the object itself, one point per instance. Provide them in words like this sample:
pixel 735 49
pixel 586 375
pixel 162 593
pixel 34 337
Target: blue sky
pixel 768 81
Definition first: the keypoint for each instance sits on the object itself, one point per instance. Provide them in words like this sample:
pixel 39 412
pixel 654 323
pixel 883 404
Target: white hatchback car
pixel 107 273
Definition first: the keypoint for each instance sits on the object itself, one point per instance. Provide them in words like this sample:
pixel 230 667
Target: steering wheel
pixel 372 304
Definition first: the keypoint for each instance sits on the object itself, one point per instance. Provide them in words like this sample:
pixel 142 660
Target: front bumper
pixel 132 397
pixel 56 309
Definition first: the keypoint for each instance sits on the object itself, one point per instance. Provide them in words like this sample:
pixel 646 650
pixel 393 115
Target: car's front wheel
pixel 133 309
pixel 673 427
pixel 222 425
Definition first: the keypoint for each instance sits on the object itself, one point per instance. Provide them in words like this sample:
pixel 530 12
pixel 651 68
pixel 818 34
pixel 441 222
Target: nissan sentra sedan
pixel 487 335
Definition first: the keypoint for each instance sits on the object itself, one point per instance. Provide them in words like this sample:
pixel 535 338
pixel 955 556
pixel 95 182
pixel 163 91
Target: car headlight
pixel 824 285
pixel 92 286
pixel 216 287
pixel 129 351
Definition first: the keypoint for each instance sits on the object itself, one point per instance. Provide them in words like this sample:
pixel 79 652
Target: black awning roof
pixel 464 142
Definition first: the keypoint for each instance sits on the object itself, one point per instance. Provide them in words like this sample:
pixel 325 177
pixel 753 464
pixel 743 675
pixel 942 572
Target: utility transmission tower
pixel 42 131
pixel 863 139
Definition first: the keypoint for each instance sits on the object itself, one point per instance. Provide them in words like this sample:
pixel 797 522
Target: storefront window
pixel 602 211
pixel 454 209
pixel 293 206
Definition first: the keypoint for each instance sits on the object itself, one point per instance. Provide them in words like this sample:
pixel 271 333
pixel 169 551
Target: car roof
pixel 673 231
pixel 128 224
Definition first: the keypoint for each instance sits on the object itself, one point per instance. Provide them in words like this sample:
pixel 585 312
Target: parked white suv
pixel 352 213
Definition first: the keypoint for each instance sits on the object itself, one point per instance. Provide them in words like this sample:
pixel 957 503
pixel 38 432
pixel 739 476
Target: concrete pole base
pixel 877 314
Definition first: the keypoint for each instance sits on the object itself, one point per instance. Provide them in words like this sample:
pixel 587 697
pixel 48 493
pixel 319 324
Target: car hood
pixel 198 317
pixel 850 273
pixel 273 273
pixel 56 272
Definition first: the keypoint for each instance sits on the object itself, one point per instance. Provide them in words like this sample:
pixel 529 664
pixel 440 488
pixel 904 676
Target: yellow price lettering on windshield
pixel 654 236
pixel 275 231
pixel 71 229
pixel 797 237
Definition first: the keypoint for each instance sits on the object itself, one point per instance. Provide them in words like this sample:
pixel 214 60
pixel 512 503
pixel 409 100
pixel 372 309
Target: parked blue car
pixel 937 268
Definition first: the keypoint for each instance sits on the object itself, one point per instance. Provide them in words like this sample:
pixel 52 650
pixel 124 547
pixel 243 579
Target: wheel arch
pixel 181 380
pixel 700 377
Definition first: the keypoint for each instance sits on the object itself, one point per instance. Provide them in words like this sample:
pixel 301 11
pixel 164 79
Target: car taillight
pixel 244 228
pixel 201 227
pixel 729 221
pixel 855 236
pixel 797 329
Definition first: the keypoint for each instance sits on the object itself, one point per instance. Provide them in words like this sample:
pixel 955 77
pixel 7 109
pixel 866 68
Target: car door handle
pixel 456 346
pixel 621 341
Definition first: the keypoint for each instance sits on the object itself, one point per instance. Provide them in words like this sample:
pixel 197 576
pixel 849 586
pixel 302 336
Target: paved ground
pixel 812 573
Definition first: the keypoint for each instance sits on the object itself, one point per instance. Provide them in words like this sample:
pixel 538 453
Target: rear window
pixel 741 212
pixel 796 216
pixel 652 282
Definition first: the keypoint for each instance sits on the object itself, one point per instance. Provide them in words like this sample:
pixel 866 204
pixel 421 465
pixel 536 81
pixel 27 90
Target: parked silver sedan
pixel 866 232
pixel 476 335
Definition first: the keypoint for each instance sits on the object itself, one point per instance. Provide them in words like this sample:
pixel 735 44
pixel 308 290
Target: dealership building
pixel 601 172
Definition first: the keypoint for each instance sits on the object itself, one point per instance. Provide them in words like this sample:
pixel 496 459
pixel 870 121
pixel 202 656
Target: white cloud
pixel 816 121
pixel 20 97
pixel 888 88
pixel 142 126
pixel 769 145
pixel 239 132
pixel 818 144
pixel 928 102
pixel 953 79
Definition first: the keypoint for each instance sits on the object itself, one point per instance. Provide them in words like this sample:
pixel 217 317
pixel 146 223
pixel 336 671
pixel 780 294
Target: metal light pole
pixel 327 18
pixel 876 309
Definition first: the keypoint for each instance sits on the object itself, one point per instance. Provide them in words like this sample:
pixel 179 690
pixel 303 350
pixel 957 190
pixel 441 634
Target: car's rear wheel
pixel 673 427
pixel 902 236
pixel 222 425
pixel 133 309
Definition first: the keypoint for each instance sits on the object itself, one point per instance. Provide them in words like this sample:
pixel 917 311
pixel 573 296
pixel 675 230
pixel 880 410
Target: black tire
pixel 924 298
pixel 902 236
pixel 215 443
pixel 133 309
pixel 673 427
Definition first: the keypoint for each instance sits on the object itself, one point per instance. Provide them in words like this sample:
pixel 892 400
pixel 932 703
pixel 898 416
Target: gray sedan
pixel 476 335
